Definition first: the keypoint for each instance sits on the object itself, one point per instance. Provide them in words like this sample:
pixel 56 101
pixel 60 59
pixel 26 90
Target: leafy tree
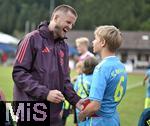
pixel 125 14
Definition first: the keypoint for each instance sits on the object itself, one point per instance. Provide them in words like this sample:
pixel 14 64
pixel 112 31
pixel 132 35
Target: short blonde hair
pixel 82 40
pixel 111 35
pixel 65 8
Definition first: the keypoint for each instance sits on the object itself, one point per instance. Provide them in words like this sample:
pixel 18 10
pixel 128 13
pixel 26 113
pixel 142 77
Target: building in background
pixel 134 52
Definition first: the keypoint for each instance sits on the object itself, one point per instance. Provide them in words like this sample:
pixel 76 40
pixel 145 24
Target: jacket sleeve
pixel 22 70
pixel 69 92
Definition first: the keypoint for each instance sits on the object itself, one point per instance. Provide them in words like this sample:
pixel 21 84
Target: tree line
pixel 125 14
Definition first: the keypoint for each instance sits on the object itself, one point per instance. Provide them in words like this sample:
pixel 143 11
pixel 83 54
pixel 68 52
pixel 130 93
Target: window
pixel 124 57
pixel 139 57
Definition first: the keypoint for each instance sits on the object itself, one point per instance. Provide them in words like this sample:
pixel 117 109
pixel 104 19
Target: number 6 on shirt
pixel 119 90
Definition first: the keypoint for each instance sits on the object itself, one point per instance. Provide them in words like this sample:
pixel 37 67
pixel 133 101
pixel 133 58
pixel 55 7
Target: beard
pixel 58 32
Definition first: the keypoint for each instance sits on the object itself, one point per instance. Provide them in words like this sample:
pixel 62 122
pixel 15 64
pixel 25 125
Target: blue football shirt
pixel 148 74
pixel 84 80
pixel 148 85
pixel 108 85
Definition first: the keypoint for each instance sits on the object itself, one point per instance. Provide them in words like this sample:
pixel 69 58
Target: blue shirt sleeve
pixel 148 73
pixel 98 84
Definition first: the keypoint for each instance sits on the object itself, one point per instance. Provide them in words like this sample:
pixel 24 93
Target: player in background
pixel 145 118
pixel 147 78
pixel 109 80
pixel 84 80
pixel 82 45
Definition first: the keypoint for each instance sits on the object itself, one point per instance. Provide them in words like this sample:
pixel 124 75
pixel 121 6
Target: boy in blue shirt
pixel 109 80
pixel 84 80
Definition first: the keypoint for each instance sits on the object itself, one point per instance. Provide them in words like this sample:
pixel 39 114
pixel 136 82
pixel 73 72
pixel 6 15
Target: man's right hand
pixel 55 96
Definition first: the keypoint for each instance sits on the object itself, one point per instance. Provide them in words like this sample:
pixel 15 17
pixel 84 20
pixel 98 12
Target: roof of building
pixel 132 40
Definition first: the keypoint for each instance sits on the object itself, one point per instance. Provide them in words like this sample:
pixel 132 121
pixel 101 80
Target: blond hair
pixel 111 35
pixel 65 8
pixel 82 40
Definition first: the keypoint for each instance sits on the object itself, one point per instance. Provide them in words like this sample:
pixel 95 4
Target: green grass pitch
pixel 130 108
